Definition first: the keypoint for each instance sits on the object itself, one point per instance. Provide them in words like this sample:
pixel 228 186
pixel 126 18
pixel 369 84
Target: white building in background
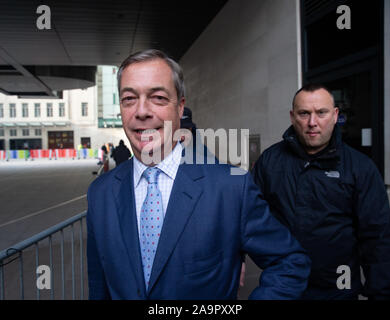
pixel 107 97
pixel 90 117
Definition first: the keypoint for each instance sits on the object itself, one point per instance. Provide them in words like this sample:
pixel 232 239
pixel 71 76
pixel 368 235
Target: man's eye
pixel 161 100
pixel 128 99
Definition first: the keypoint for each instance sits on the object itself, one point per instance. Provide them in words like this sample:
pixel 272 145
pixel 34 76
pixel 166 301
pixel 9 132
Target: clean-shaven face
pixel 148 98
pixel 314 117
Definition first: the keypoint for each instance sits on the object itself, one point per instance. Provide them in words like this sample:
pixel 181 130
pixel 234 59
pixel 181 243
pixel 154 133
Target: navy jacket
pixel 336 205
pixel 211 219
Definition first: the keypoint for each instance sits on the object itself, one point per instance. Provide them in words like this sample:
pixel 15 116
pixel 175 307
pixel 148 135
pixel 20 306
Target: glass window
pixel 49 110
pixel 37 110
pixel 325 43
pixel 26 132
pixel 1 111
pixel 13 132
pixel 1 132
pixel 61 110
pixel 24 110
pixel 84 109
pixel 38 132
pixel 12 110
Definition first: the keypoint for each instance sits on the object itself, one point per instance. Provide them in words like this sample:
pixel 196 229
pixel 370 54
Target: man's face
pixel 148 98
pixel 314 117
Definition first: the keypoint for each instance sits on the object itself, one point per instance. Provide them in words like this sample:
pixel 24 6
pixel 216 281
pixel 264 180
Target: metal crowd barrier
pixel 18 252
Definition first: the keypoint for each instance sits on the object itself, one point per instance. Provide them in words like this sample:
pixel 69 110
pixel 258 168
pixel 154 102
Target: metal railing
pixel 22 253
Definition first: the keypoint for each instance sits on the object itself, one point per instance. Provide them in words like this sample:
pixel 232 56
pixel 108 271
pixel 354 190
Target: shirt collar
pixel 169 165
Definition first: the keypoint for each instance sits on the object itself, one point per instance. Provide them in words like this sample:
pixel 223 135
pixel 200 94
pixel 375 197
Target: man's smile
pixel 143 132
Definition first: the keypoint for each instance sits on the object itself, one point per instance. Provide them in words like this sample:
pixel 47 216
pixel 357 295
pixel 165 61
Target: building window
pixel 37 110
pixel 60 140
pixel 13 132
pixel 84 109
pixel 49 110
pixel 61 110
pixel 24 110
pixel 25 132
pixel 1 132
pixel 1 111
pixel 12 110
pixel 38 132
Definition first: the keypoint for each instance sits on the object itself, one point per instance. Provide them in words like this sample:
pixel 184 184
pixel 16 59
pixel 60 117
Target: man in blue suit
pixel 166 230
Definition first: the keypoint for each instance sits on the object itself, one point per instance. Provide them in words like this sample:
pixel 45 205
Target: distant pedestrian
pixel 186 120
pixel 79 147
pixel 186 123
pixel 121 153
pixel 111 149
pixel 105 159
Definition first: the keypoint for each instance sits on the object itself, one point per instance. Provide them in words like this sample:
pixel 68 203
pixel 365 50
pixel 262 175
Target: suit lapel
pixel 184 196
pixel 125 201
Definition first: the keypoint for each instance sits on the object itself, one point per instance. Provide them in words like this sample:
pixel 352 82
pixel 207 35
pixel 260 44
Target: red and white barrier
pixel 49 154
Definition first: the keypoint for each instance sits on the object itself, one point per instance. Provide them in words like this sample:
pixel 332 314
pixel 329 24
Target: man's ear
pixel 336 111
pixel 292 116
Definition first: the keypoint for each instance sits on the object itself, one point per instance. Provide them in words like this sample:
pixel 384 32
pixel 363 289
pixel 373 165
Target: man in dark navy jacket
pixel 332 198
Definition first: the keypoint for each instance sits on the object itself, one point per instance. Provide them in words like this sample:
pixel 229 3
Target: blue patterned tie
pixel 151 221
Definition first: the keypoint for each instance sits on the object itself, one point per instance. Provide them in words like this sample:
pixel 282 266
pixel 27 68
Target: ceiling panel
pixel 90 33
pixel 87 26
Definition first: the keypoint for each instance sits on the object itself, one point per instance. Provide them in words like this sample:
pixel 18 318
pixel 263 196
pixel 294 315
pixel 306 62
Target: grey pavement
pixel 252 275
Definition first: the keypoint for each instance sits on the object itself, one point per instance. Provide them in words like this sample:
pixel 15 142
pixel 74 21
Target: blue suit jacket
pixel 211 220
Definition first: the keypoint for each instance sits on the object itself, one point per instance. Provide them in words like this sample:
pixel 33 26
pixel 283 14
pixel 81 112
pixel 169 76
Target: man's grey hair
pixel 153 54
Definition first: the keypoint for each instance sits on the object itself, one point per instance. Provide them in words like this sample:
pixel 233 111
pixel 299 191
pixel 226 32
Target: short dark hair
pixel 153 54
pixel 311 87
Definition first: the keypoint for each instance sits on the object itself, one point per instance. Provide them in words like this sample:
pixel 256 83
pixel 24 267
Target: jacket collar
pixel 326 159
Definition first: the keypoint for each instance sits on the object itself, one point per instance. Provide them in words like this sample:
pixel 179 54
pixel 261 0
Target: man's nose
pixel 143 108
pixel 313 120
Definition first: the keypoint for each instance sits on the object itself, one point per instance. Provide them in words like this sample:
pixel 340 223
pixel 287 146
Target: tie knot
pixel 151 174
